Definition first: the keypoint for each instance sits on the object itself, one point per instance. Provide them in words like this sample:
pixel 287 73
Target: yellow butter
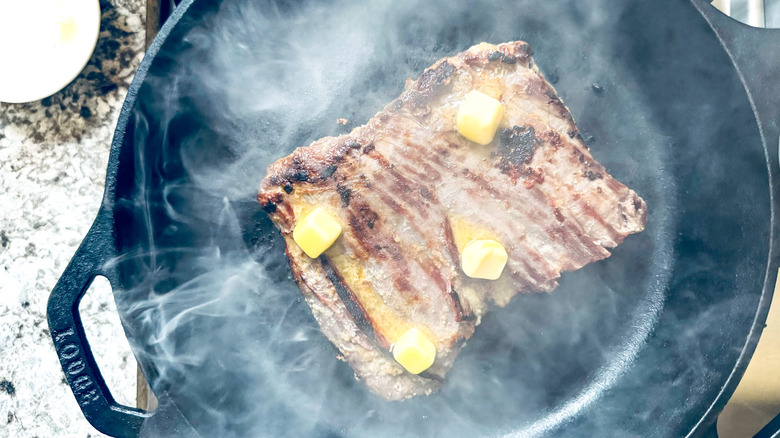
pixel 479 116
pixel 483 259
pixel 464 230
pixel 386 321
pixel 414 351
pixel 316 232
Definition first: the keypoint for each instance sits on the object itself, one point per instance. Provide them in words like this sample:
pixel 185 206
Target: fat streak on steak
pixel 410 192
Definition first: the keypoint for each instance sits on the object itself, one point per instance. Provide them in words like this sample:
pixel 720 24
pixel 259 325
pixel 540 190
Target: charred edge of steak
pixel 506 53
pixel 427 86
pixel 460 314
pixel 430 82
pixel 297 170
pixel 539 86
pixel 348 298
pixel 591 169
pixel 269 205
pixel 591 175
pixel 430 376
pixel 434 78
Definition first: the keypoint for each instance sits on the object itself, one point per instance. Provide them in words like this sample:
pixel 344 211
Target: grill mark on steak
pixel 394 183
pixel 359 315
pixel 369 232
pixel 449 240
pixel 569 237
pixel 416 214
pixel 427 173
pixel 377 243
pixel 575 238
pixel 531 277
pixel 404 185
pixel 412 294
pixel 593 214
pixel 512 197
pixel 411 197
pixel 352 304
pixel 532 199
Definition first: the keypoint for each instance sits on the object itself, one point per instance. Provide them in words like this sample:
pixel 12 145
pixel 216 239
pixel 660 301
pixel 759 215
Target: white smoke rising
pixel 212 311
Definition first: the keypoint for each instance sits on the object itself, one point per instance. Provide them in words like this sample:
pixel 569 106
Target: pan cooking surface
pixel 642 339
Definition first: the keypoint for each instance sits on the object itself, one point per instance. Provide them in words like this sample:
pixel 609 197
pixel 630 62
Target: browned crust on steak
pixel 407 188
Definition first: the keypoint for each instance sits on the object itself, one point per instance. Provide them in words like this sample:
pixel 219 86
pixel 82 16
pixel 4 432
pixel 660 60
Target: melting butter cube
pixel 316 232
pixel 479 116
pixel 414 351
pixel 483 259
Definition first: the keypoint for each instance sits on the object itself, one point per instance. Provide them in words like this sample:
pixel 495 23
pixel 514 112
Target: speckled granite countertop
pixel 53 157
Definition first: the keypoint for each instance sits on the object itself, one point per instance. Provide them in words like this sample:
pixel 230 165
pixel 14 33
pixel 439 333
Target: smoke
pixel 209 305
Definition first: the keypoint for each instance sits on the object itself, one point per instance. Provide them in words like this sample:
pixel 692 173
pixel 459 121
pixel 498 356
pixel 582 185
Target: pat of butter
pixel 316 232
pixel 483 259
pixel 414 351
pixel 68 29
pixel 479 116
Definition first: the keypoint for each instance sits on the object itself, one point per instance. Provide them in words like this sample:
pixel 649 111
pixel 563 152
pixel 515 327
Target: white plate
pixel 44 45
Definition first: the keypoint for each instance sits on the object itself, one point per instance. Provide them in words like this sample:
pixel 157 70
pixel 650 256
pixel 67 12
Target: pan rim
pixel 770 274
pixel 706 418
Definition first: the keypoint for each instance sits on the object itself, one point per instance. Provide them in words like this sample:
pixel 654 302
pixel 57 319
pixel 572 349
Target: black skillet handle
pixel 756 54
pixel 71 344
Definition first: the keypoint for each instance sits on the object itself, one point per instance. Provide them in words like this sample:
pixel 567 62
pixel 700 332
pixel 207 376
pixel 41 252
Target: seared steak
pixel 409 191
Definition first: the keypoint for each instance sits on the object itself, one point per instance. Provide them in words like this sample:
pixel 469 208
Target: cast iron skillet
pixel 685 111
